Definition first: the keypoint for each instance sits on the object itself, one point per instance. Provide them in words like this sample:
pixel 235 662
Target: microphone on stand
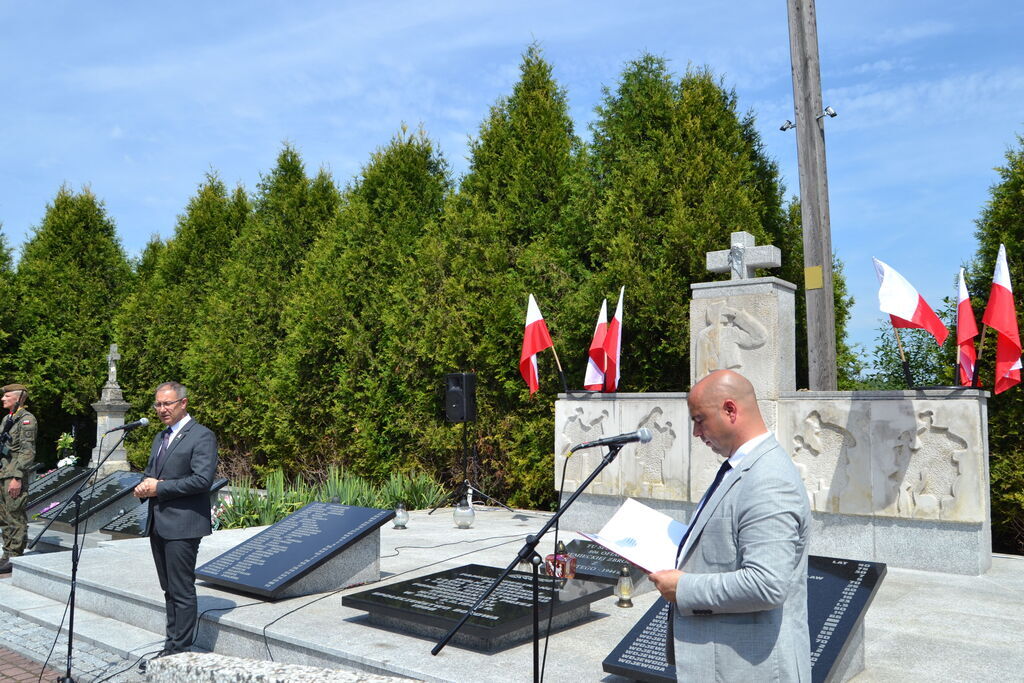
pixel 142 422
pixel 642 435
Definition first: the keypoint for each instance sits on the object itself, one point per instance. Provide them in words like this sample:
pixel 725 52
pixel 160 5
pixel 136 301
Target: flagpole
pixel 907 376
pixel 561 374
pixel 976 380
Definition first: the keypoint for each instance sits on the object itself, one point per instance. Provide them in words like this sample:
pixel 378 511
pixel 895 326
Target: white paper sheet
pixel 642 535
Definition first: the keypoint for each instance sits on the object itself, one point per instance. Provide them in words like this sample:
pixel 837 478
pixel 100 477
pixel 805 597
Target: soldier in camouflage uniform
pixel 19 452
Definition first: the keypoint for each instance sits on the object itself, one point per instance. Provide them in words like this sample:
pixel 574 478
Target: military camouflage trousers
pixel 13 520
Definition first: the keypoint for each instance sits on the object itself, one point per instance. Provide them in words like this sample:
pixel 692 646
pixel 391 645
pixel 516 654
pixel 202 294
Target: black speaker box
pixel 460 396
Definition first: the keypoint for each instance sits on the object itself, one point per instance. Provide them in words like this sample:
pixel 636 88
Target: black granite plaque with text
pixel 132 524
pixel 285 552
pixel 596 562
pixel 48 488
pixel 440 600
pixel 95 498
pixel 838 595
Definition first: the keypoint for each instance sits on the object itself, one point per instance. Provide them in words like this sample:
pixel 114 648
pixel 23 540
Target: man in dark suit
pixel 176 484
pixel 739 594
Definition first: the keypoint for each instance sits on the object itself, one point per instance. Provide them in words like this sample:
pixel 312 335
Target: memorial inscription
pixel 96 498
pixel 283 553
pixel 132 524
pixel 838 595
pixel 49 487
pixel 431 605
pixel 597 563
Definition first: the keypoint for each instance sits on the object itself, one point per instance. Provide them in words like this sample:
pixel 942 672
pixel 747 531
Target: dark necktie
pixel 164 443
pixel 700 506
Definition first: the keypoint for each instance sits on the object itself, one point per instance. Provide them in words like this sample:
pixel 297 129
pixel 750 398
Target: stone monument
pixel 110 411
pixel 899 477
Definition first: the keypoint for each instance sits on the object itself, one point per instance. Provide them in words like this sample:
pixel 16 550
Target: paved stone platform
pixel 921 626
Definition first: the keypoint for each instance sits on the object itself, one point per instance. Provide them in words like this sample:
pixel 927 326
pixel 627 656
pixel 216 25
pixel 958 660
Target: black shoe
pixel 6 567
pixel 163 653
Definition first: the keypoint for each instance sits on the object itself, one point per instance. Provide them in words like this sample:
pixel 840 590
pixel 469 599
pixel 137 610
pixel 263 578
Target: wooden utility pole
pixel 810 147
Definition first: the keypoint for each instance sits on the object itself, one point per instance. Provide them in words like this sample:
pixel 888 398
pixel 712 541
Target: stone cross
pixel 742 257
pixel 112 359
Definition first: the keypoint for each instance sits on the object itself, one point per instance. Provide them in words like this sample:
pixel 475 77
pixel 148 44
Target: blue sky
pixel 140 100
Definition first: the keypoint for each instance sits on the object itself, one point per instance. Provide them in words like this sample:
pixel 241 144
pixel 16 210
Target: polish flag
pixel 594 379
pixel 905 306
pixel 966 331
pixel 613 347
pixel 1001 316
pixel 536 338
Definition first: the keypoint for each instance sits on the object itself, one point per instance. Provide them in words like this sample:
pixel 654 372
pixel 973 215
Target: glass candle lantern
pixel 463 515
pixel 624 588
pixel 401 516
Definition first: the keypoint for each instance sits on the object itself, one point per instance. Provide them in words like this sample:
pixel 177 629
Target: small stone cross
pixel 742 257
pixel 112 359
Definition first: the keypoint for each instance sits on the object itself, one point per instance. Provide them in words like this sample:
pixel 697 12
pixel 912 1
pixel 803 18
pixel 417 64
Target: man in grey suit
pixel 176 484
pixel 739 594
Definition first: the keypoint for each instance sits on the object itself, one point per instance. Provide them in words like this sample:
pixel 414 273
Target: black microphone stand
pixel 528 553
pixel 75 498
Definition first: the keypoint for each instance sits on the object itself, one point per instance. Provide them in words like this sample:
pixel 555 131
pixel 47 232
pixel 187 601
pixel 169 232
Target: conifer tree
pixel 1002 222
pixel 677 170
pixel 238 325
pixel 510 232
pixel 341 391
pixel 156 320
pixel 72 275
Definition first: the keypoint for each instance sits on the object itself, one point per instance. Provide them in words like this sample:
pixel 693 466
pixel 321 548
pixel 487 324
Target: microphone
pixel 142 423
pixel 642 435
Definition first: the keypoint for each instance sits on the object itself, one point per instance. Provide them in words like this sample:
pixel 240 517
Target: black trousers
pixel 176 567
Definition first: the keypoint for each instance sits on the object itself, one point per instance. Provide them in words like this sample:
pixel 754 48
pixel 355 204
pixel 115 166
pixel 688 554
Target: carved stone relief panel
pixel 657 469
pixel 577 422
pixel 829 445
pixel 929 460
pixel 727 337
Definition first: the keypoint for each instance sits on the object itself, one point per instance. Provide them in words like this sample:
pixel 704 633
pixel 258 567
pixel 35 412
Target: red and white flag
pixel 594 379
pixel 536 338
pixel 613 347
pixel 1001 316
pixel 966 331
pixel 905 306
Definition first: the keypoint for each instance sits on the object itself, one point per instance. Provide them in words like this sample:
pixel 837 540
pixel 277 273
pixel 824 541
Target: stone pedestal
pixel 110 411
pixel 747 326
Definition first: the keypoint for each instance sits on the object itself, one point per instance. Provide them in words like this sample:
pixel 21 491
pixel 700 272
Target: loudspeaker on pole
pixel 460 396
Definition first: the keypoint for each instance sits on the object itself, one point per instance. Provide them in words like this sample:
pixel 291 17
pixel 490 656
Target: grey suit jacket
pixel 181 508
pixel 741 603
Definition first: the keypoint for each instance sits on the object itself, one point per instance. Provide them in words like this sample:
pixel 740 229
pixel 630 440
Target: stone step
pixel 111 634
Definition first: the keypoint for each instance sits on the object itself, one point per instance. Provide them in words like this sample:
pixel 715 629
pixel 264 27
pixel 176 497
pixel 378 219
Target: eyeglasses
pixel 166 404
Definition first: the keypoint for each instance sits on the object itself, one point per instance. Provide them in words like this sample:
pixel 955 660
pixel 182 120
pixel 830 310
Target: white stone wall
pixel 898 477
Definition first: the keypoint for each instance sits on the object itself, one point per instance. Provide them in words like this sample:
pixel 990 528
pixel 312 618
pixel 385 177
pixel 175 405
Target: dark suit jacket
pixel 181 508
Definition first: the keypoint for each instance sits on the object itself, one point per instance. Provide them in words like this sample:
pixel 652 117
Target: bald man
pixel 739 594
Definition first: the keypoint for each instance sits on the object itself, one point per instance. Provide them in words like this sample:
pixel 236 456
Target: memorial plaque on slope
pixel 132 524
pixel 284 553
pixel 838 595
pixel 431 605
pixel 595 562
pixel 98 500
pixel 49 487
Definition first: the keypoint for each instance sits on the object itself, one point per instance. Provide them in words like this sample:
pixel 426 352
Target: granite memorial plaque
pixel 838 595
pixel 431 605
pixel 49 487
pixel 132 524
pixel 283 554
pixel 99 501
pixel 597 563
